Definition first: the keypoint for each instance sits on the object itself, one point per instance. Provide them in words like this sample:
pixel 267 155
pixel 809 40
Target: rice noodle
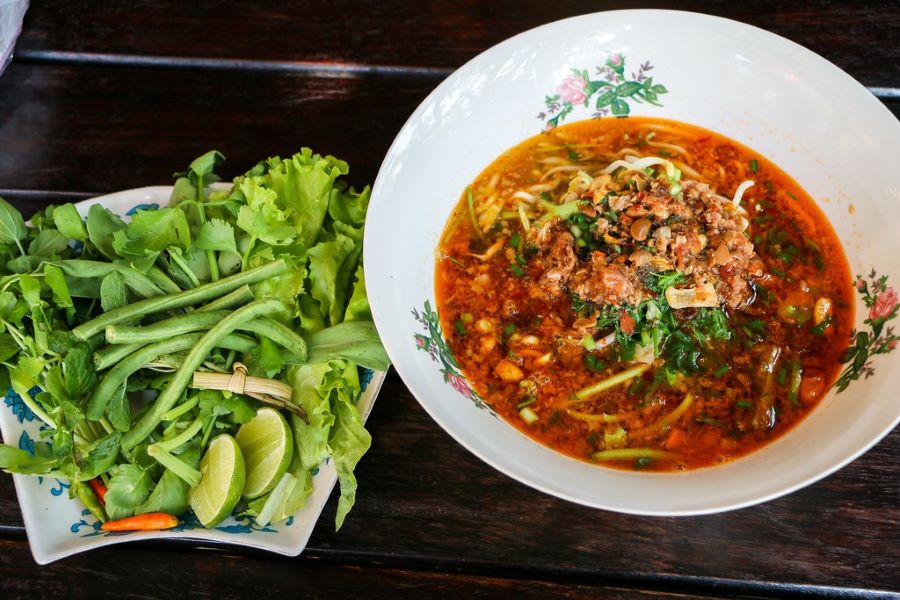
pixel 540 187
pixel 521 195
pixel 635 165
pixel 554 160
pixel 739 192
pixel 559 170
pixel 495 247
pixel 672 147
pixel 656 127
pixel 526 225
pixel 690 172
pixel 493 182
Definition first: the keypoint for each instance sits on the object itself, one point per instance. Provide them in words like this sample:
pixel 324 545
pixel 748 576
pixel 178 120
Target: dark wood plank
pixel 862 38
pixel 101 129
pixel 142 572
pixel 425 502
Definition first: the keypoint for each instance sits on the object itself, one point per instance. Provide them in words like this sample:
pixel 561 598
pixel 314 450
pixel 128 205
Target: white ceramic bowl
pixel 787 103
pixel 58 526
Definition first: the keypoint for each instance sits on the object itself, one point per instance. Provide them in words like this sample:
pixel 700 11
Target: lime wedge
pixel 267 444
pixel 221 482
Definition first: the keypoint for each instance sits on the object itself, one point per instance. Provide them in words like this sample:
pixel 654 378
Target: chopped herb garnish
pixel 460 327
pixel 781 376
pixel 754 166
pixel 582 307
pixel 611 216
pixel 664 153
pixel 530 399
pixel 770 186
pixel 721 371
pixel 546 197
pixel 744 404
pixel 516 270
pixel 593 363
pixel 821 327
pixel 514 240
pixel 641 462
pixel 574 156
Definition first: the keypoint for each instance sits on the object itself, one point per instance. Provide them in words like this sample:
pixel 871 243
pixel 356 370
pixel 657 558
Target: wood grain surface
pixel 108 95
pixel 447 509
pixel 860 37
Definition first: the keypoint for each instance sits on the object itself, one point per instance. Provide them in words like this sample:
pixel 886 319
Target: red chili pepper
pixel 99 489
pixel 146 522
pixel 626 323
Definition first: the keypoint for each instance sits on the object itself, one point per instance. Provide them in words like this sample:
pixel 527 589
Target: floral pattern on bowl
pixel 745 83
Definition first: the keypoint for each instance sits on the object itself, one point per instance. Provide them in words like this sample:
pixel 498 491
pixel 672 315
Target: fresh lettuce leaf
pixel 356 341
pixel 312 436
pixel 304 184
pixel 349 442
pixel 358 308
pixel 350 206
pixel 328 263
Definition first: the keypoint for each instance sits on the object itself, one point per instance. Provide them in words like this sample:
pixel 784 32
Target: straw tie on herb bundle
pixel 268 391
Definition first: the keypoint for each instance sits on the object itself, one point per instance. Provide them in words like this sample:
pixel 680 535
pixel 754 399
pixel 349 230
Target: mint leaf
pixel 49 243
pixel 101 225
pixel 12 225
pixel 69 222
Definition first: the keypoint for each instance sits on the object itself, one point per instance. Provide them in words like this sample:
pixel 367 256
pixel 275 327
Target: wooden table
pixel 108 95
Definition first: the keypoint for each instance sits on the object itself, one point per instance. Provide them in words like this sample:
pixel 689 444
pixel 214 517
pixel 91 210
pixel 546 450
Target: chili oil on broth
pixel 518 347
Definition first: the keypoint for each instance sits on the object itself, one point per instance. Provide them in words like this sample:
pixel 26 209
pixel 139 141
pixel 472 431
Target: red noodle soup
pixel 643 293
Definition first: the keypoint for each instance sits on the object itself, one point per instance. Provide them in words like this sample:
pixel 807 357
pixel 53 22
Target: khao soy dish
pixel 643 293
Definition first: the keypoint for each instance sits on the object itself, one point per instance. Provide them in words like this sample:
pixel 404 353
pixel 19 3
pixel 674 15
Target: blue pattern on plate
pixel 244 524
pixel 134 209
pixel 18 407
pixel 365 378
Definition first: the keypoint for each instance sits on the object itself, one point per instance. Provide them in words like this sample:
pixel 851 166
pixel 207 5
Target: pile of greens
pixel 103 324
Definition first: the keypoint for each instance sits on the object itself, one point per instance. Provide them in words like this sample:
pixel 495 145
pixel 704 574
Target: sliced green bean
pixel 195 357
pixel 203 293
pixel 239 297
pixel 629 453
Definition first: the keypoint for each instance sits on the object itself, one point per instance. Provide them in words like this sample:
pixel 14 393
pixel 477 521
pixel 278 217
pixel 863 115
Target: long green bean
pixel 238 297
pixel 108 356
pixel 157 276
pixel 195 357
pixel 203 293
pixel 118 375
pixel 195 321
pixel 279 333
